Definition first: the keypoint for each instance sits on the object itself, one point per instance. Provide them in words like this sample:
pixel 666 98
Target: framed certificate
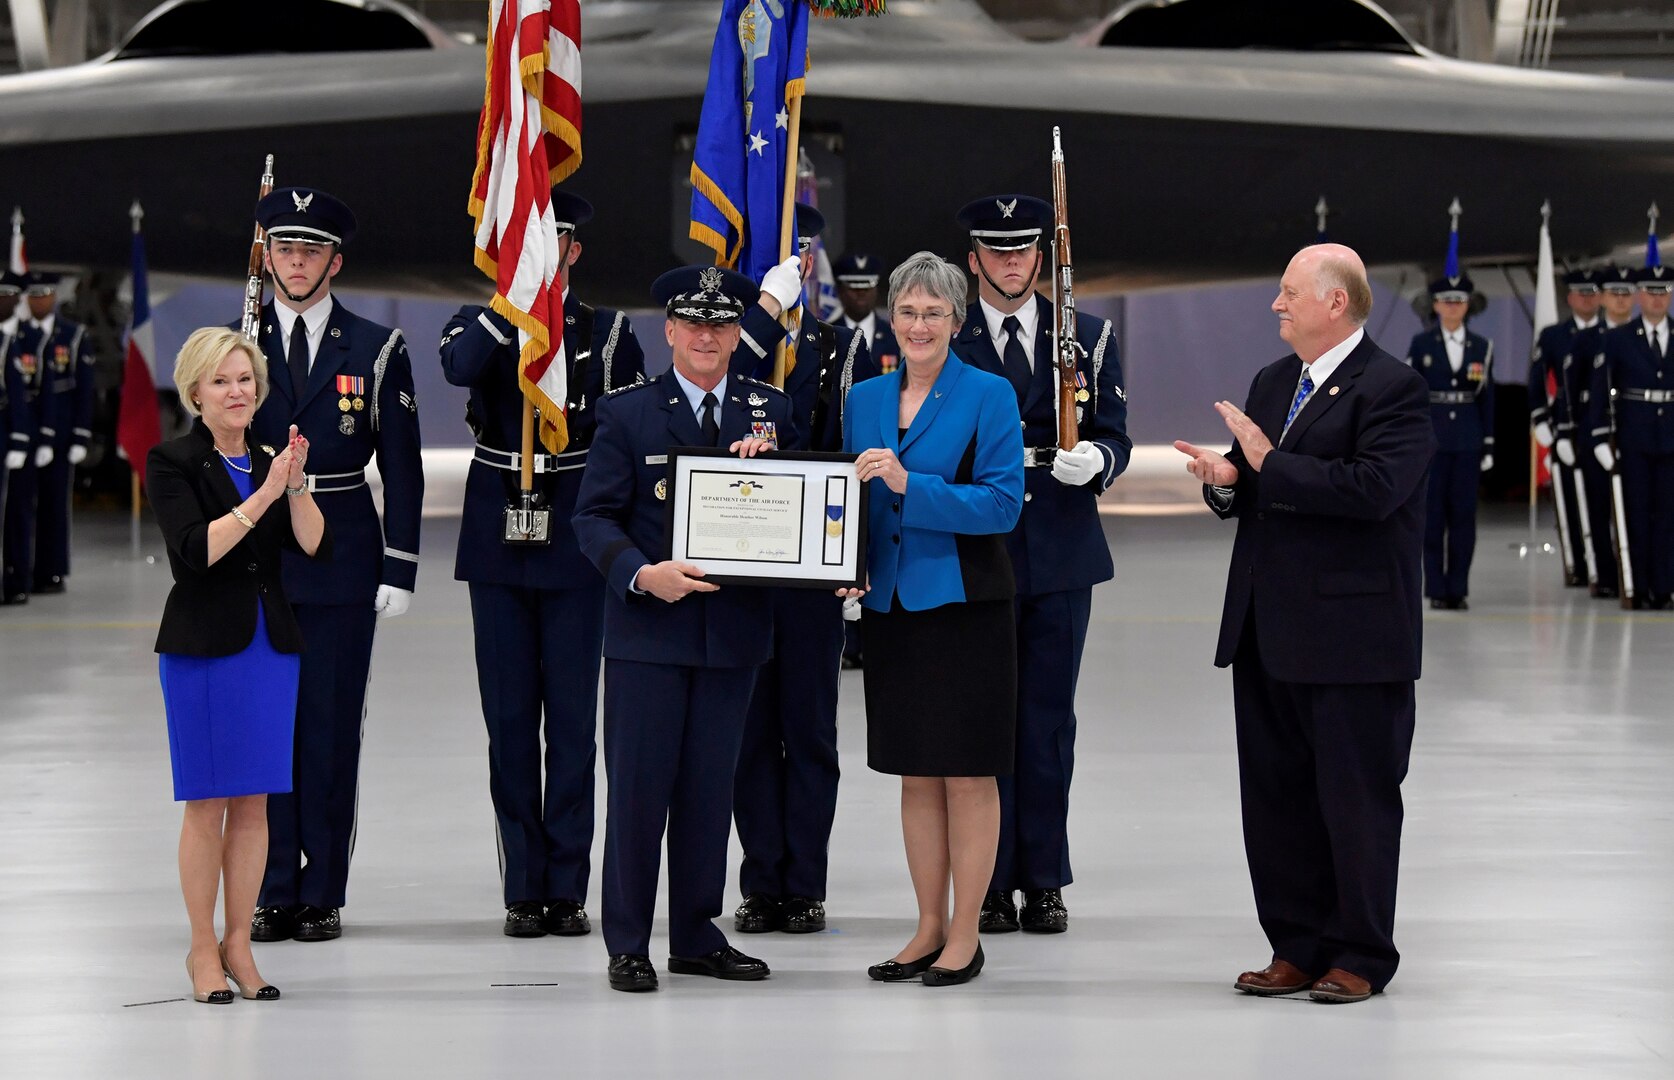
pixel 790 519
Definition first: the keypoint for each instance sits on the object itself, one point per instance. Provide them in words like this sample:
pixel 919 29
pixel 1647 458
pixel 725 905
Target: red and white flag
pixel 529 138
pixel 138 427
pixel 16 261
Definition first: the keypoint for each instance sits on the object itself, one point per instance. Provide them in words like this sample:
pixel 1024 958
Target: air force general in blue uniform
pixel 680 655
pixel 537 610
pixel 347 384
pixel 1058 548
pixel 785 797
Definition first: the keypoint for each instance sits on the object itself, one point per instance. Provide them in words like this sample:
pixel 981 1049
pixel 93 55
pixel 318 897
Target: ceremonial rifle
pixel 254 281
pixel 1069 349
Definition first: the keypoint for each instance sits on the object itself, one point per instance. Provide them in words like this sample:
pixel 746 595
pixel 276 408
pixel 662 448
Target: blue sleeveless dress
pixel 231 718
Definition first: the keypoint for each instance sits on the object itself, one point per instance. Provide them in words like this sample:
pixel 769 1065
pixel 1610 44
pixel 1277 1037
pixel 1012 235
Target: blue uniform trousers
pixel 1034 799
pixel 671 743
pixel 538 652
pixel 1450 524
pixel 25 484
pixel 785 795
pixel 52 520
pixel 311 830
pixel 1320 770
pixel 1648 495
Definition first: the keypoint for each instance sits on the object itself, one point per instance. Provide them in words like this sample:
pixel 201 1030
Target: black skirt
pixel 941 689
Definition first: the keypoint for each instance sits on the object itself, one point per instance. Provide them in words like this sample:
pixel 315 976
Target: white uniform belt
pixel 1452 397
pixel 1655 397
pixel 338 481
pixel 512 460
pixel 1039 457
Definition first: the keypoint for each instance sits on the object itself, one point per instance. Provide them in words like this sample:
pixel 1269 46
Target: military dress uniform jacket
pixel 1555 358
pixel 479 350
pixel 1058 543
pixel 621 522
pixel 885 349
pixel 67 372
pixel 30 404
pixel 1462 402
pixel 17 420
pixel 1643 385
pixel 830 359
pixel 374 368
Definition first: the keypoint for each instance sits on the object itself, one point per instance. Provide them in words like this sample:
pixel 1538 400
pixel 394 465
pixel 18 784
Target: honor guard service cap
pixel 41 282
pixel 704 294
pixel 1617 279
pixel 307 215
pixel 857 271
pixel 1452 290
pixel 809 224
pixel 11 284
pixel 569 211
pixel 1585 282
pixel 1655 279
pixel 1006 222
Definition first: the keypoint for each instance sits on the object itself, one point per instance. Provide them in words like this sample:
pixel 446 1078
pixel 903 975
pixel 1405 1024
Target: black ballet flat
pixel 895 971
pixel 940 976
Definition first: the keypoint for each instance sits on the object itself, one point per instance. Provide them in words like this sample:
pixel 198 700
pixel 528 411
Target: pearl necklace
pixel 245 469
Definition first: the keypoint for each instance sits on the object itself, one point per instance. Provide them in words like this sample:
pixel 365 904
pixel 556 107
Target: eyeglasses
pixel 907 316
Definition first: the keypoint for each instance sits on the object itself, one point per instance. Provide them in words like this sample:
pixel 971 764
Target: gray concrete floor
pixel 1534 918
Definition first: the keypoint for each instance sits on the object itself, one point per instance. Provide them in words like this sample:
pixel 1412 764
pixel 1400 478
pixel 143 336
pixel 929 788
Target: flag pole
pixel 787 231
pixel 134 517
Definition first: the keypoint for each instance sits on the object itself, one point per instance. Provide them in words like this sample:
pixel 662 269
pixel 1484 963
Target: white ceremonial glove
pixel 784 282
pixel 391 601
pixel 1543 433
pixel 43 456
pixel 1073 468
pixel 1606 459
pixel 15 459
pixel 1487 462
pixel 77 454
pixel 1565 451
pixel 851 609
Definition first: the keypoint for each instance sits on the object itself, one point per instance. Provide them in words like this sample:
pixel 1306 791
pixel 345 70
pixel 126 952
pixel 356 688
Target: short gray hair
pixel 935 275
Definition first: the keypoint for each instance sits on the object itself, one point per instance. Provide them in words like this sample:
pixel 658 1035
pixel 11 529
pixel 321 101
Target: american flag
pixel 138 427
pixel 529 138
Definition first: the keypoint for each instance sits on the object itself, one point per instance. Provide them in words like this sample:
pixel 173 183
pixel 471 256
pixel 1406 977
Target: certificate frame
pixel 717 501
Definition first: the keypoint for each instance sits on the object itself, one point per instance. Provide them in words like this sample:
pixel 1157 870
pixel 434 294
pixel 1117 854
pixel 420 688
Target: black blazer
pixel 211 610
pixel 1330 531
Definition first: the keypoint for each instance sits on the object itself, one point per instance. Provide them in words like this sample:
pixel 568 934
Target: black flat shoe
pixel 566 918
pixel 318 924
pixel 272 924
pixel 940 976
pixel 800 915
pixel 727 963
pixel 758 914
pixel 632 974
pixel 523 919
pixel 1044 912
pixel 999 914
pixel 895 971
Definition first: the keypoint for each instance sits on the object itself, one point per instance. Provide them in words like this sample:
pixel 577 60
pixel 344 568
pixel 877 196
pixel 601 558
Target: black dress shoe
pixel 895 971
pixel 800 915
pixel 566 918
pixel 523 919
pixel 1044 911
pixel 632 973
pixel 999 914
pixel 1461 604
pixel 1606 592
pixel 318 924
pixel 940 976
pixel 272 924
pixel 49 586
pixel 758 914
pixel 23 598
pixel 727 963
pixel 1440 603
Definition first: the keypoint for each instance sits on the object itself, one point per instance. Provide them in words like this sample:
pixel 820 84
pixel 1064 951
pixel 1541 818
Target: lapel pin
pixel 1333 391
pixel 337 331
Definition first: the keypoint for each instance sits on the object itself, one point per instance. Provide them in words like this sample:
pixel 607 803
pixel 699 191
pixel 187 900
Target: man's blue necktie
pixel 1302 392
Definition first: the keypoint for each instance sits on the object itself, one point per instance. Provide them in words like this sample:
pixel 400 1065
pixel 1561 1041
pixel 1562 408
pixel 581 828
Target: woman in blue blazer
pixel 941 447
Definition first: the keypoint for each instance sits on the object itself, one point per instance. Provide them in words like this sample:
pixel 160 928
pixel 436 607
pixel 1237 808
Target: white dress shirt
pixel 1028 317
pixel 868 326
pixel 1455 343
pixel 1657 334
pixel 1584 324
pixel 313 320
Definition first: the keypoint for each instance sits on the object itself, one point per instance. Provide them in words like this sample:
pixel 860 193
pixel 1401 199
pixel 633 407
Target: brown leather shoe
pixel 1275 980
pixel 1339 987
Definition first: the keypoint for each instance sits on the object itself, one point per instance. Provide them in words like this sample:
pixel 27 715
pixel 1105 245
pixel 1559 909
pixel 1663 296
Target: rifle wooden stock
pixel 1618 509
pixel 1068 348
pixel 254 278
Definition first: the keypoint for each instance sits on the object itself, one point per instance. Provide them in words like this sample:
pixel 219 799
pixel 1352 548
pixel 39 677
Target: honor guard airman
pixel 17 420
pixel 1554 408
pixel 1058 549
pixel 785 798
pixel 347 384
pixel 1632 421
pixel 67 371
pixel 857 276
pixel 680 653
pixel 537 606
pixel 39 417
pixel 1620 292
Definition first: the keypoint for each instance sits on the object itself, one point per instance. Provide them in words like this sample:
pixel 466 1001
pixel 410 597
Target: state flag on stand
pixel 1545 314
pixel 528 139
pixel 138 427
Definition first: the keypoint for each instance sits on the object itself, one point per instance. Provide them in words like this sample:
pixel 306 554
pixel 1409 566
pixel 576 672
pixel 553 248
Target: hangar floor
pixel 1535 919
